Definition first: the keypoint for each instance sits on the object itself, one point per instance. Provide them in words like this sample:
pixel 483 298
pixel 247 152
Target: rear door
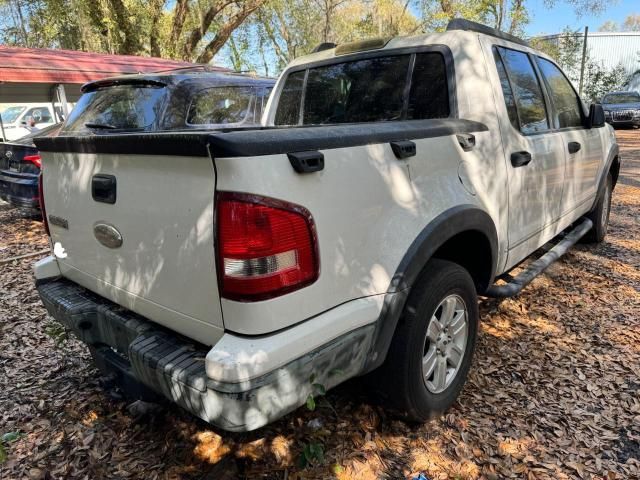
pixel 534 153
pixel 582 146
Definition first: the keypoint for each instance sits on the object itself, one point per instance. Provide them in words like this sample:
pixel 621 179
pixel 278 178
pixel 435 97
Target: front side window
pixel 532 113
pixel 222 105
pixel 568 107
pixel 507 92
pixel 116 108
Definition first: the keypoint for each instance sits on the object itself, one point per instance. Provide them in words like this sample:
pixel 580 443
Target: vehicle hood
pixel 621 106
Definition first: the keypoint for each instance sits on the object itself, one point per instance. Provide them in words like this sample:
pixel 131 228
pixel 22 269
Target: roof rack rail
pixel 468 25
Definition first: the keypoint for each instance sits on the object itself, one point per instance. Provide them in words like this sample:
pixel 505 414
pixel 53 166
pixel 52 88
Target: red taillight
pixel 35 159
pixel 42 209
pixel 266 247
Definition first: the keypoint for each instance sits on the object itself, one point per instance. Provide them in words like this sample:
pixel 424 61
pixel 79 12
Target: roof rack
pixel 468 25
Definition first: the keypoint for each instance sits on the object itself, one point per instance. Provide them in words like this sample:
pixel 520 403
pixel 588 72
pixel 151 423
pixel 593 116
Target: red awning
pixel 39 65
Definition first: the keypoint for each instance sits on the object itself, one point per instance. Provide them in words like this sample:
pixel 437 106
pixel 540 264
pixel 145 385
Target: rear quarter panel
pixel 367 212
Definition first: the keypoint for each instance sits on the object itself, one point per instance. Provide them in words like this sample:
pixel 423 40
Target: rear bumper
pixel 141 352
pixel 19 189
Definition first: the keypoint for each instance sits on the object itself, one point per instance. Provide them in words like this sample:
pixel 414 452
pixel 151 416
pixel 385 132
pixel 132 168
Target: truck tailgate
pixel 164 210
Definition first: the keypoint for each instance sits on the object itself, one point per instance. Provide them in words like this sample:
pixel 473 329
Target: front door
pixel 535 158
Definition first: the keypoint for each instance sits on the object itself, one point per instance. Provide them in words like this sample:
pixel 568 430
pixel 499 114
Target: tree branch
pixel 222 35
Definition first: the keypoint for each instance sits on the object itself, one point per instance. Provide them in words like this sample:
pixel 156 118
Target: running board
pixel 524 278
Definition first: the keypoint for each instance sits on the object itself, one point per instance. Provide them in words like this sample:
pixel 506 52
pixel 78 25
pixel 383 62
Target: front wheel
pixel 433 345
pixel 600 214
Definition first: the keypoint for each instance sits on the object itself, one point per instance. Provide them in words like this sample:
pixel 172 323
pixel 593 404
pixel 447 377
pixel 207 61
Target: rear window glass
pixel 361 91
pixel 367 90
pixel 222 105
pixel 119 107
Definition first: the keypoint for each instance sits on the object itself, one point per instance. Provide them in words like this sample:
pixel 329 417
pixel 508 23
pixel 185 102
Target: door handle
pixel 574 147
pixel 403 149
pixel 520 159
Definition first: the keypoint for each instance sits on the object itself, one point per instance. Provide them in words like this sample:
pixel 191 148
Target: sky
pixel 553 20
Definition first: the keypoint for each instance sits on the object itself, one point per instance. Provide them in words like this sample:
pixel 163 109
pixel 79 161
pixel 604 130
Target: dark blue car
pixel 622 109
pixel 19 169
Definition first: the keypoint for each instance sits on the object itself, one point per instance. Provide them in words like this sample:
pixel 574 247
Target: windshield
pixel 116 108
pixel 11 114
pixel 621 98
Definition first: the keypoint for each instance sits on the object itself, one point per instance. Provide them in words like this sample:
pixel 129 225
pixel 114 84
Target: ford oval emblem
pixel 107 235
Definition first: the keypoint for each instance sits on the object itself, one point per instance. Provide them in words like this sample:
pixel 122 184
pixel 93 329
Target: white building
pixel 611 49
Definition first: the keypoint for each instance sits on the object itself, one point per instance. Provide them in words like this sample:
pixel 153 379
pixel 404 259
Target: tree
pixel 631 23
pixel 608 26
pixel 186 29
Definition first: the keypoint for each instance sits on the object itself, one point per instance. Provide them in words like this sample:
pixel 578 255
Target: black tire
pixel 600 215
pixel 401 376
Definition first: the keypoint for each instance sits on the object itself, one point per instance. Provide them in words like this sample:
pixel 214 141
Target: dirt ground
pixel 554 391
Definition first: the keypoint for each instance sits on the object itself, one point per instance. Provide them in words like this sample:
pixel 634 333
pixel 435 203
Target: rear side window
pixel 429 95
pixel 288 112
pixel 568 106
pixel 361 91
pixel 532 112
pixel 222 105
pixel 116 108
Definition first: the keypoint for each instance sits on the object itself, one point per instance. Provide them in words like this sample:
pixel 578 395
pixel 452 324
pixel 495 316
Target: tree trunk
pixel 154 41
pixel 130 44
pixel 179 17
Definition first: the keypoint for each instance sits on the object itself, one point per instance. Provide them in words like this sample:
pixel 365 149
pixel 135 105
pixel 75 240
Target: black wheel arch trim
pixel 459 219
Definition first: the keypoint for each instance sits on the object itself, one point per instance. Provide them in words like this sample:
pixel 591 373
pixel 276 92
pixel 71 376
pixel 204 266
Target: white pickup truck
pixel 391 184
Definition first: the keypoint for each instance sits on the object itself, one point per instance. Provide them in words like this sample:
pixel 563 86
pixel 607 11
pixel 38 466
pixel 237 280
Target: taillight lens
pixel 42 209
pixel 266 247
pixel 35 159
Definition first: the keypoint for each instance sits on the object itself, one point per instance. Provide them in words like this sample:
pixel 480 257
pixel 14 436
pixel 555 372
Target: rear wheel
pixel 432 348
pixel 600 214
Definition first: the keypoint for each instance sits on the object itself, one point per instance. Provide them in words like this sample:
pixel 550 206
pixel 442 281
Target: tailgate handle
pixel 103 188
pixel 306 162
pixel 403 149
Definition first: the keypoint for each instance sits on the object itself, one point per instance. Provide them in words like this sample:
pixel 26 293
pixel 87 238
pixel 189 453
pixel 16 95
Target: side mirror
pixel 596 116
